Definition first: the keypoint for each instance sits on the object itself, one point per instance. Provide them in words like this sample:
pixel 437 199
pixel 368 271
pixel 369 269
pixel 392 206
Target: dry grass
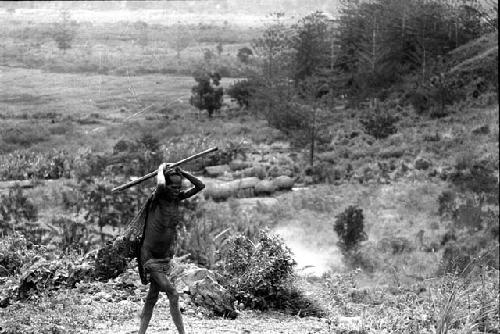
pixel 98 110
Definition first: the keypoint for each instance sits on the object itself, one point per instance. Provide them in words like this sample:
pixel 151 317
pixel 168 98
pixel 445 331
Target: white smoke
pixel 312 258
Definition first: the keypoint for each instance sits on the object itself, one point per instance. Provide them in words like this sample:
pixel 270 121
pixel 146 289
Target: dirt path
pixel 123 318
pixel 247 322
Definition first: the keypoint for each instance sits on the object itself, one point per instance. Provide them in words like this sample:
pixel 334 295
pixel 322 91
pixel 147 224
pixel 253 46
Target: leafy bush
pixel 111 209
pixel 241 92
pixel 349 226
pixel 14 250
pixel 206 228
pixel 149 142
pixel 37 268
pixel 237 255
pixel 478 179
pixel 325 172
pixel 435 98
pixel 260 275
pixel 125 145
pixel 74 235
pixel 446 203
pixel 52 275
pixel 260 281
pixel 243 54
pixel 468 248
pixel 89 165
pixel 206 94
pixel 472 233
pixel 380 124
pixel 365 258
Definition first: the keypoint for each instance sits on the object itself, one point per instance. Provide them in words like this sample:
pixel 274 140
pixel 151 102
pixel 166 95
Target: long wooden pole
pixel 153 173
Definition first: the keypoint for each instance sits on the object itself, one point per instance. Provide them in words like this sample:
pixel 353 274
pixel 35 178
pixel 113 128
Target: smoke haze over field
pixel 314 249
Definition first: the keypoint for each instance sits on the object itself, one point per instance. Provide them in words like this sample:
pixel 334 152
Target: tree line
pixel 363 54
pixel 370 46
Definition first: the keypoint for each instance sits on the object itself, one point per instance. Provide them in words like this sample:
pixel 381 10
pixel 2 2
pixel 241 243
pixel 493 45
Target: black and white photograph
pixel 248 167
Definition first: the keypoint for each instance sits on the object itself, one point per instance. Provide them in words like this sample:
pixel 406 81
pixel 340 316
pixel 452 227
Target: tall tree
pixel 273 49
pixel 311 42
pixel 381 40
pixel 65 31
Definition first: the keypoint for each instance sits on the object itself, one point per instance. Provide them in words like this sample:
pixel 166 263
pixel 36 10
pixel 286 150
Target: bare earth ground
pixel 74 312
pixel 247 322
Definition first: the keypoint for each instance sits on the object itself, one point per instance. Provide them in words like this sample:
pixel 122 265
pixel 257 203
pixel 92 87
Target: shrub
pixel 15 206
pixel 89 165
pixel 150 142
pixel 468 215
pixel 51 275
pixel 349 226
pixel 241 92
pixel 258 274
pixel 13 249
pixel 74 236
pixel 473 234
pixel 238 255
pixel 324 172
pixel 446 203
pixel 206 94
pixel 111 209
pixel 459 255
pixel 379 124
pixel 243 54
pixel 288 118
pixel 25 136
pixel 419 100
pixel 365 258
pixel 479 179
pixel 208 54
pixel 206 227
pixel 434 98
pixel 125 145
